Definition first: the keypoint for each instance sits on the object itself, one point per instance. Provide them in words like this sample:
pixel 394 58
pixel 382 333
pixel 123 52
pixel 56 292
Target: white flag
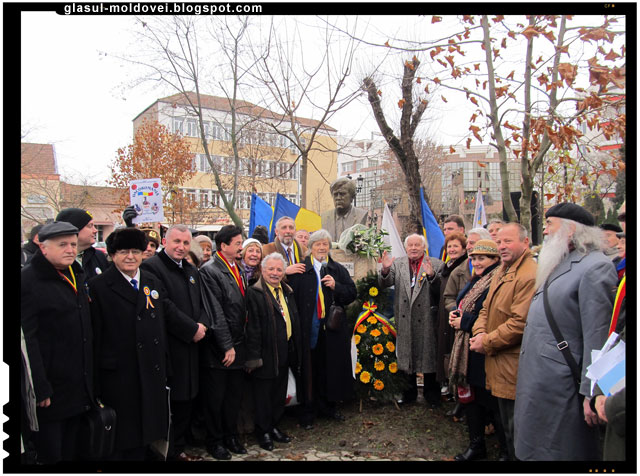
pixel 479 217
pixel 393 238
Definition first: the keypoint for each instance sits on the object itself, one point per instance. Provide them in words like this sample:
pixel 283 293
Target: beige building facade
pixel 268 161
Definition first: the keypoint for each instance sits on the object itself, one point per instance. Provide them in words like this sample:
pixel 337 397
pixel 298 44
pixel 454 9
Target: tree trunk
pixel 403 148
pixel 495 123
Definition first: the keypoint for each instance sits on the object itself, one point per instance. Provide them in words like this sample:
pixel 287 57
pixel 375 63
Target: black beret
pixel 57 228
pixel 76 216
pixel 611 227
pixel 571 211
pixel 126 239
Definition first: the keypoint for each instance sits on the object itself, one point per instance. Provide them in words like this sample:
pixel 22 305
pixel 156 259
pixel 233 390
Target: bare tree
pixel 403 146
pixel 296 80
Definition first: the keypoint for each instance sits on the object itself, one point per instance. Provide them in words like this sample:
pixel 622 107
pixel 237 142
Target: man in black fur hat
pixel 128 311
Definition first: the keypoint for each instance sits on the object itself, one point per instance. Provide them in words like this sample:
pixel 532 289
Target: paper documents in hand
pixel 608 367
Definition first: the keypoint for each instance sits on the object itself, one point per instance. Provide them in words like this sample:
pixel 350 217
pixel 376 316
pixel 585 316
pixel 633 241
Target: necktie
pixel 289 255
pixel 134 283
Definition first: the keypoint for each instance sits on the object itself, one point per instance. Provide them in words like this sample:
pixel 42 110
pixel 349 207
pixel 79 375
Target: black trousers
pixel 430 391
pixel 57 440
pixel 269 395
pixel 320 403
pixel 221 392
pixel 507 407
pixel 477 412
pixel 131 454
pixel 180 422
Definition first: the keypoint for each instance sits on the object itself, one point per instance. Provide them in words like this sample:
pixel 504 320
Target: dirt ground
pixel 410 432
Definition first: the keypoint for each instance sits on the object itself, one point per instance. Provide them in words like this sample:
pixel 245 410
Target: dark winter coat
pixel 183 289
pixel 94 262
pixel 475 369
pixel 338 342
pixel 28 250
pixel 262 350
pixel 224 302
pixel 131 354
pixel 57 331
pixel 445 332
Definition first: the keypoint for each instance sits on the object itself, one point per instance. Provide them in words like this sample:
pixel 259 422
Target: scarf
pixel 452 264
pixel 248 270
pixel 459 360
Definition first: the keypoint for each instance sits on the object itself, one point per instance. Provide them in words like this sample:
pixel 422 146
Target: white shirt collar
pixel 136 277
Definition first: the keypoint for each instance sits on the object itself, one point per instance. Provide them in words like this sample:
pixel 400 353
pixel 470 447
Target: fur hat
pixel 485 247
pixel 571 211
pixel 76 216
pixel 126 239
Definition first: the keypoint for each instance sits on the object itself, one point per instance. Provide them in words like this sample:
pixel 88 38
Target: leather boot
pixel 476 450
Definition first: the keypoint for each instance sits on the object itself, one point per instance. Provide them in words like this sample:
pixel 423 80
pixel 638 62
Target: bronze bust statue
pixel 344 215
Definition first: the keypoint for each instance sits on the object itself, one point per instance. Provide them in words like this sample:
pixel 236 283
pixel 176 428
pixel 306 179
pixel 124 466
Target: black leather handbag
pixel 335 317
pixel 98 432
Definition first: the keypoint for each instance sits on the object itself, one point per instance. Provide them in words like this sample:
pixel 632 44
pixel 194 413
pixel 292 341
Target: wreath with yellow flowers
pixel 374 336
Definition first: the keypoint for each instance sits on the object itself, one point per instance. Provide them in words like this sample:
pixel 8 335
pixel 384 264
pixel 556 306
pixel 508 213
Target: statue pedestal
pixel 357 266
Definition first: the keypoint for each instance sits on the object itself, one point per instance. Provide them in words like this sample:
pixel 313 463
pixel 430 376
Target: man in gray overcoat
pixel 416 281
pixel 553 420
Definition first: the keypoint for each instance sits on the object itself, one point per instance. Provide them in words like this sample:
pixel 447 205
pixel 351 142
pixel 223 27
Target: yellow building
pixel 267 160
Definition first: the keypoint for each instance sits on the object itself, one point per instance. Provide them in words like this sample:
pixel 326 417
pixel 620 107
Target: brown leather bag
pixel 335 317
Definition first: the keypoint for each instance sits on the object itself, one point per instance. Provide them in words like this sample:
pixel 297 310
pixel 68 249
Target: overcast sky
pixel 75 93
pixel 74 96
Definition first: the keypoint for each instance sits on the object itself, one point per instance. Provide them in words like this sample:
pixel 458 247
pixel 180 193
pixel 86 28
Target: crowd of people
pixel 183 333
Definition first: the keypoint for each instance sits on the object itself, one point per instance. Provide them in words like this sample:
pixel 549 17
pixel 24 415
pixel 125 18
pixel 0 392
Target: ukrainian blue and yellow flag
pixel 431 230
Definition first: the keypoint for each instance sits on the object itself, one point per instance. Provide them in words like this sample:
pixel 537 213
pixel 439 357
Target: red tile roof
pixel 243 107
pixel 38 159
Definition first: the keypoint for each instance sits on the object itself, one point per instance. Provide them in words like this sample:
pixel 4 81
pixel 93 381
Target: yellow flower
pixel 375 333
pixel 379 366
pixel 356 338
pixel 372 320
pixel 378 385
pixel 390 346
pixel 362 329
pixel 385 329
pixel 358 367
pixel 377 349
pixel 373 291
pixel 393 367
pixel 365 377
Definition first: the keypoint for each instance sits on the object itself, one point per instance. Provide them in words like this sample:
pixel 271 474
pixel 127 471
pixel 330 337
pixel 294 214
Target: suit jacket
pixel 57 331
pixel 183 290
pixel 131 354
pixel 276 245
pixel 415 320
pixel 581 299
pixel 335 227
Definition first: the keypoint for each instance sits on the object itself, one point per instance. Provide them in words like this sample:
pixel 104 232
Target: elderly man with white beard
pixel 553 420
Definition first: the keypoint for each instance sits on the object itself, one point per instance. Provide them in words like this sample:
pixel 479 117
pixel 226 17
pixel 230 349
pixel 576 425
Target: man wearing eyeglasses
pixel 128 311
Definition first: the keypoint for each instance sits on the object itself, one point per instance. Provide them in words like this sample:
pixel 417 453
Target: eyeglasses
pixel 126 252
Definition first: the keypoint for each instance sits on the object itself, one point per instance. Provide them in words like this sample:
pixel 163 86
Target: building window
pixel 100 234
pixel 36 198
pixel 204 198
pixel 178 125
pixel 192 128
